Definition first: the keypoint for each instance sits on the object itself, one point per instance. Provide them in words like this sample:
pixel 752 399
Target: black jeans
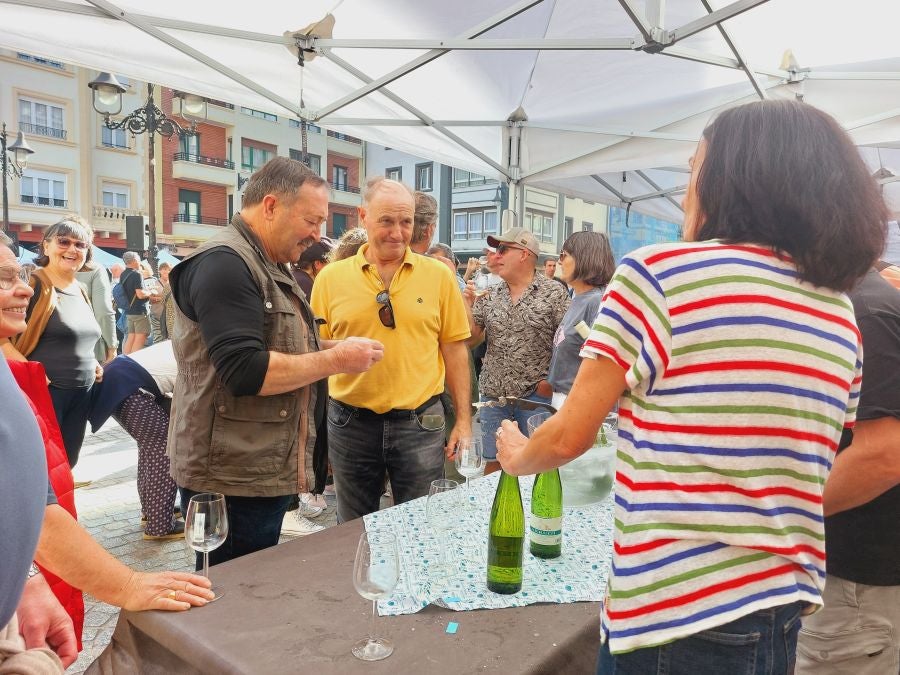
pixel 72 407
pixel 254 523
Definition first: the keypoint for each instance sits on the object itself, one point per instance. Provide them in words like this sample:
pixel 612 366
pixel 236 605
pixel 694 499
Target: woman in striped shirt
pixel 736 362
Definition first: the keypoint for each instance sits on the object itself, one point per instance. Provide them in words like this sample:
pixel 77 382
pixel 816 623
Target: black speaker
pixel 134 233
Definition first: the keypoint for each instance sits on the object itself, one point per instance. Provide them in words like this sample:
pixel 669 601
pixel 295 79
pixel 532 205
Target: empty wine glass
pixel 537 420
pixel 206 525
pixel 376 571
pixel 482 283
pixel 469 462
pixel 441 510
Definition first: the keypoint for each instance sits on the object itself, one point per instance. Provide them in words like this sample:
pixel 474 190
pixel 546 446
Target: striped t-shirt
pixel 740 381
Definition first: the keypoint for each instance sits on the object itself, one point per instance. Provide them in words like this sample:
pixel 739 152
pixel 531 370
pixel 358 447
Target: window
pixel 188 206
pixel 115 195
pixel 113 138
pixel 476 220
pixel 260 114
pixel 474 223
pixel 190 145
pixel 490 222
pixel 339 177
pixel 44 119
pixel 338 224
pixel 310 127
pixel 252 157
pixel 586 226
pixel 424 177
pixel 541 224
pixel 43 188
pixel 460 225
pixel 463 178
pixel 570 226
pixel 314 162
pixel 394 173
pixel 39 60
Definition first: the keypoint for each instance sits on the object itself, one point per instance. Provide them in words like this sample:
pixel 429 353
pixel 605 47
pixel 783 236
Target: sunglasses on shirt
pixel 386 311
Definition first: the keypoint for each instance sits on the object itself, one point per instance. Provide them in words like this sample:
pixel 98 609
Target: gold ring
pixel 171 595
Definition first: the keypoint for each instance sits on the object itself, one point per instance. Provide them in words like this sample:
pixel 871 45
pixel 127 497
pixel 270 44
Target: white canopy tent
pixel 602 99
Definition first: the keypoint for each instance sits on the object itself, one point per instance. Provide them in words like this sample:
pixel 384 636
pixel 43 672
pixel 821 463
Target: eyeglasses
pixel 66 242
pixel 386 311
pixel 563 255
pixel 10 276
pixel 503 248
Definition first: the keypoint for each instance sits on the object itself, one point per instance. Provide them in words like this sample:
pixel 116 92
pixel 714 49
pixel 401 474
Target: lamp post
pixel 20 151
pixel 148 119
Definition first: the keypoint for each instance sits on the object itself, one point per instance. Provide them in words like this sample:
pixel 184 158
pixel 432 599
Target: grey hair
pixel 348 244
pixel 378 183
pixel 6 241
pixel 280 176
pixel 130 256
pixel 594 262
pixel 444 250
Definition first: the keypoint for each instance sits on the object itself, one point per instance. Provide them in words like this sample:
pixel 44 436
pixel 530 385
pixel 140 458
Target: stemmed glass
pixel 537 420
pixel 441 510
pixel 206 525
pixel 376 571
pixel 469 462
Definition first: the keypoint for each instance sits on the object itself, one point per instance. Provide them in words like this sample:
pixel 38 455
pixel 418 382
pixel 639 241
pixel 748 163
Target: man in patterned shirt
pixel 518 320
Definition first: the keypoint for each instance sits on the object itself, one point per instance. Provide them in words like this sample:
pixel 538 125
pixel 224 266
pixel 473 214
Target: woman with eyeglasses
pixel 586 265
pixel 736 362
pixel 62 329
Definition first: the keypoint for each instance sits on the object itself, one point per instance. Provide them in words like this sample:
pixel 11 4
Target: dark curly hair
pixel 784 174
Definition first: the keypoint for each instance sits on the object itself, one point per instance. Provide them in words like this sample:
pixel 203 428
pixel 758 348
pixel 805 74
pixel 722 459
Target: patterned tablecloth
pixel 578 575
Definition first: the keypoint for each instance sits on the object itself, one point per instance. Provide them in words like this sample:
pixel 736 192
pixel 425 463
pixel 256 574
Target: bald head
pixel 387 216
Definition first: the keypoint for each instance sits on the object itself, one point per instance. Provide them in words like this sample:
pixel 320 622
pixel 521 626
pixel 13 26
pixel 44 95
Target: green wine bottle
pixel 506 537
pixel 545 526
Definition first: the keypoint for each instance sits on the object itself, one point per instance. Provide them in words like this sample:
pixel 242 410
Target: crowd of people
pixel 754 367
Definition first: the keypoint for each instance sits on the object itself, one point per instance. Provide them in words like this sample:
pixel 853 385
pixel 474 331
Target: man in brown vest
pixel 250 395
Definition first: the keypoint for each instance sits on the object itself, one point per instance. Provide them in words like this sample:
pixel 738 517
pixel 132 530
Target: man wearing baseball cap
pixel 518 320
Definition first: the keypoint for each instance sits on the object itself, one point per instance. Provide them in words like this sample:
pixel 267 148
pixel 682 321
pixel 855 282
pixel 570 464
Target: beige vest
pixel 245 446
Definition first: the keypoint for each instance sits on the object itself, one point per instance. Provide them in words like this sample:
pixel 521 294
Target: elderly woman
pixel 736 362
pixel 586 263
pixel 62 330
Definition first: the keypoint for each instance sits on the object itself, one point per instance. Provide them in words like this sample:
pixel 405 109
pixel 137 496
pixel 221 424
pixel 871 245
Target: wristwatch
pixel 33 571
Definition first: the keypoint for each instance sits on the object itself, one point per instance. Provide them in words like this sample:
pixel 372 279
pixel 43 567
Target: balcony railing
pixel 343 137
pixel 42 130
pixel 101 212
pixel 203 159
pixel 39 60
pixel 45 201
pixel 114 144
pixel 343 187
pixel 199 219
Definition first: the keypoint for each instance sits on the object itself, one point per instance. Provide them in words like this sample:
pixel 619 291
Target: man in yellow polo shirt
pixel 390 419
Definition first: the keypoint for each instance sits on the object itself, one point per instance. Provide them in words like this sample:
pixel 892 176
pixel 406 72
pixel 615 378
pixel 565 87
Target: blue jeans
pixel 363 445
pixel 490 419
pixel 761 643
pixel 254 523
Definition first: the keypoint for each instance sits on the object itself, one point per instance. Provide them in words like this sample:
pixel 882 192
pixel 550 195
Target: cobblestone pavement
pixel 110 510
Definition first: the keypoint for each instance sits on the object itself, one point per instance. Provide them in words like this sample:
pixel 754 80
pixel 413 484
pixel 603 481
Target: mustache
pixel 306 243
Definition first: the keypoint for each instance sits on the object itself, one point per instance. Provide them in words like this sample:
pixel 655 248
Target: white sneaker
pixel 296 525
pixel 312 505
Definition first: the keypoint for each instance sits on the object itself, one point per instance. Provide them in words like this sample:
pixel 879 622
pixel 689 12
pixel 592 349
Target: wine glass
pixel 482 283
pixel 376 571
pixel 469 462
pixel 206 525
pixel 440 510
pixel 537 420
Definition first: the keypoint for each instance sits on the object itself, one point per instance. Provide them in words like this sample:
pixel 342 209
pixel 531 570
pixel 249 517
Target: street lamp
pixel 20 151
pixel 148 119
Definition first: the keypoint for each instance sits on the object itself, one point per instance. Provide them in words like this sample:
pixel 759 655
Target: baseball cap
pixel 517 236
pixel 318 251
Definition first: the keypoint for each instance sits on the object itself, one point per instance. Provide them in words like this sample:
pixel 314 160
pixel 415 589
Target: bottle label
pixel 545 531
